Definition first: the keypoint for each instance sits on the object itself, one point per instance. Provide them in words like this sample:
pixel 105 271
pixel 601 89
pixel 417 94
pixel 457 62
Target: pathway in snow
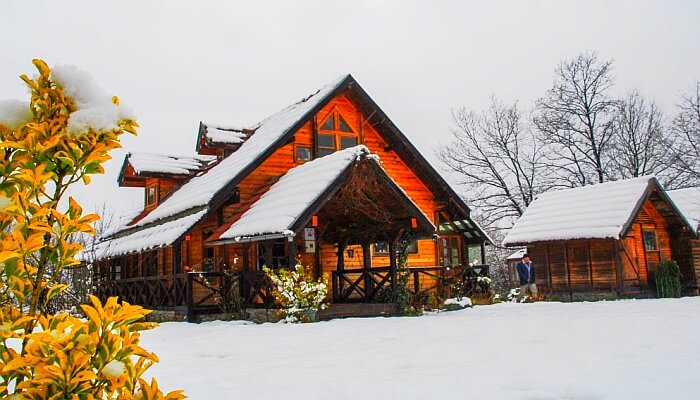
pixel 636 349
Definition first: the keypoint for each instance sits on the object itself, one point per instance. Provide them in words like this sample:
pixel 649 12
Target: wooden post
pixel 292 252
pixel 392 267
pixel 341 256
pixel 177 257
pixel 549 267
pixel 190 300
pixel 392 262
pixel 568 270
pixel 246 256
pixel 618 267
pixel 590 263
pixel 367 264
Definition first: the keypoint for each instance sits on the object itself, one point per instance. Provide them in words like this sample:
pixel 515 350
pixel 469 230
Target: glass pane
pixel 475 254
pixel 650 240
pixel 347 142
pixel 325 152
pixel 329 125
pixel 381 248
pixel 326 140
pixel 343 126
pixel 303 154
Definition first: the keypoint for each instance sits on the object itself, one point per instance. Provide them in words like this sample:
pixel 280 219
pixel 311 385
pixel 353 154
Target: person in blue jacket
pixel 526 275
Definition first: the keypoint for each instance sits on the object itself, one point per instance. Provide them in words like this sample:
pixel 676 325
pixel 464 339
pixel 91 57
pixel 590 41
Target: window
pixel 335 134
pixel 650 243
pixel 326 144
pixel 475 254
pixel 302 154
pixel 347 141
pixel 449 251
pixel 151 195
pixel 382 248
pixel 272 254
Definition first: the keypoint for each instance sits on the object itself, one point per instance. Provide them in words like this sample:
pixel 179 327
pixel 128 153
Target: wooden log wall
pixel 575 265
pixel 271 169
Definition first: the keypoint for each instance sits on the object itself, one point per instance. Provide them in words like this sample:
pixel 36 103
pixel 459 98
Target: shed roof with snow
pixel 688 202
pixel 599 211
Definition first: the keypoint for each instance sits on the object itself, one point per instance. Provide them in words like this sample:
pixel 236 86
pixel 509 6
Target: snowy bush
pixel 298 292
pixel 457 303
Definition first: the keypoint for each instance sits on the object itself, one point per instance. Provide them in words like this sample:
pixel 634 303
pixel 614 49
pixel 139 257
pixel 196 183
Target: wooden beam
pixel 341 256
pixel 618 267
pixel 292 253
pixel 568 269
pixel 246 257
pixel 590 263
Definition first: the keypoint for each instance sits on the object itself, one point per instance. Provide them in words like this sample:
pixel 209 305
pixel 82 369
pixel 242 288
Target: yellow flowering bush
pixel 60 137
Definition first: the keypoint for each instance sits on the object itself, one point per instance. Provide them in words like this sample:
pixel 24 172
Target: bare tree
pixel 639 146
pixel 686 131
pixel 79 279
pixel 496 158
pixel 575 119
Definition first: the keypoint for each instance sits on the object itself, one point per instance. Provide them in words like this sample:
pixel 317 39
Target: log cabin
pixel 330 181
pixel 605 240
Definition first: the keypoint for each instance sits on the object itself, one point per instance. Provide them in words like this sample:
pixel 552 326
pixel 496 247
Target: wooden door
pixel 450 251
pixel 630 261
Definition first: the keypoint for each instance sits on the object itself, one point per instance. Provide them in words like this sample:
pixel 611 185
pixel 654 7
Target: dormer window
pixel 334 134
pixel 151 195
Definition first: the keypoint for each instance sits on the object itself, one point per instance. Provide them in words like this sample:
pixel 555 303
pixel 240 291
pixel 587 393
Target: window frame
pixel 338 134
pixel 644 240
pixel 154 187
pixel 303 146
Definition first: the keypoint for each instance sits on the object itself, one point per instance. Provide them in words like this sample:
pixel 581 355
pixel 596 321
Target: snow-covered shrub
pixel 298 292
pixel 484 282
pixel 457 303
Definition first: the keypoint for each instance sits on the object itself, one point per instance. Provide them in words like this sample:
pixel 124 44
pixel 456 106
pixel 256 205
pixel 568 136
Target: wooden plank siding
pixel 590 264
pixel 192 248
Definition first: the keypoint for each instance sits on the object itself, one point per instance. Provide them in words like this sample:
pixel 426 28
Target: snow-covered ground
pixel 635 349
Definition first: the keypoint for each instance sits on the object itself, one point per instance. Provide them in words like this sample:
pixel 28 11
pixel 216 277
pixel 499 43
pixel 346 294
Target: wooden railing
pixel 157 292
pixel 193 292
pixel 363 285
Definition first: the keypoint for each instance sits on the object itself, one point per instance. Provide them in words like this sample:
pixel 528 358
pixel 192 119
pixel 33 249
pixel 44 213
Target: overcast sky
pixel 176 63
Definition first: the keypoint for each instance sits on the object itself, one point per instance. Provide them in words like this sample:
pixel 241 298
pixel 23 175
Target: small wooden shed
pixel 605 239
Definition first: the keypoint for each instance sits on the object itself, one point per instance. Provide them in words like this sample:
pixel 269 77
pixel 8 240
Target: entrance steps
pixel 352 310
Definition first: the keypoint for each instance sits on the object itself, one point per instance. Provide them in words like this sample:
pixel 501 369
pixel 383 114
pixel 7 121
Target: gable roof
pixel 212 187
pixel 149 238
pixel 604 210
pixel 217 135
pixel 688 202
pixel 281 210
pixel 217 183
pixel 151 164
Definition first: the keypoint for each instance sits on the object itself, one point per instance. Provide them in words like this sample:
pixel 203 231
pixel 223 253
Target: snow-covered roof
pixel 277 210
pixel 168 164
pixel 688 202
pixel 149 238
pixel 215 133
pixel 518 255
pixel 201 189
pixel 595 211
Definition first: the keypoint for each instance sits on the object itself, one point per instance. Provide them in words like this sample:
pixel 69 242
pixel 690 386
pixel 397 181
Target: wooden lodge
pixel 329 180
pixel 606 239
